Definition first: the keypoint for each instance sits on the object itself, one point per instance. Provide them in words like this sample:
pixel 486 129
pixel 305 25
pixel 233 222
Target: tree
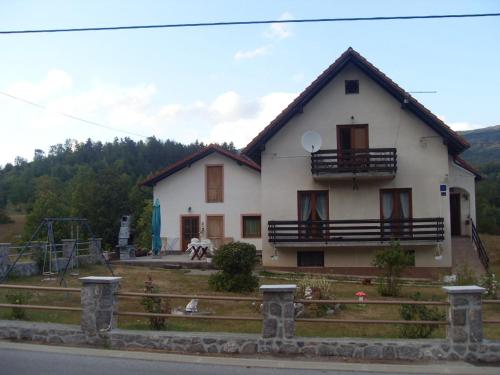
pixel 392 261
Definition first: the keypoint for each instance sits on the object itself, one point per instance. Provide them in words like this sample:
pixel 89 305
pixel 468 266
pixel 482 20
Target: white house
pixel 211 194
pixel 387 169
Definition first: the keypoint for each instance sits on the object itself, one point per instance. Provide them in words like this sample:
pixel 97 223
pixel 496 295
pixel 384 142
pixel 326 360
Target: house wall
pixel 186 188
pixel 465 182
pixel 422 165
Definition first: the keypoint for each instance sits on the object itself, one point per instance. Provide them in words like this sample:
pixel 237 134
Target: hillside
pixel 485 145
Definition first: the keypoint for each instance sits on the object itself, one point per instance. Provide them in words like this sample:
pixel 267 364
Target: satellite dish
pixel 311 141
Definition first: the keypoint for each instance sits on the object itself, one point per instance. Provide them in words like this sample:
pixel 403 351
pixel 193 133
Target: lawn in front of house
pixel 182 282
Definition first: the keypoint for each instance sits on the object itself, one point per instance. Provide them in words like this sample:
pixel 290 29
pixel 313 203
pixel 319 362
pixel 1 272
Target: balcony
pixel 369 232
pixel 371 163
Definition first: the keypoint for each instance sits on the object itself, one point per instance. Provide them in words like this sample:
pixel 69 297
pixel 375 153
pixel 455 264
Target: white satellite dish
pixel 311 141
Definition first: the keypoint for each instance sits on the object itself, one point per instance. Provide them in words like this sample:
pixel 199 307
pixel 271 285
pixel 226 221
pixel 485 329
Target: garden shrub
pixel 236 262
pixel 392 261
pixel 490 283
pixel 18 298
pixel 466 276
pixel 321 288
pixel 155 305
pixel 419 312
pixel 4 218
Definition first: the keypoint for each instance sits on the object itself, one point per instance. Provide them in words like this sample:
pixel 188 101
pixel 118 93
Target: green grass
pixel 180 282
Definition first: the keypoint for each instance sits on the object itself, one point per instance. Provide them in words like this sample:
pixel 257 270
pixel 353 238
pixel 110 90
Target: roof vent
pixel 352 87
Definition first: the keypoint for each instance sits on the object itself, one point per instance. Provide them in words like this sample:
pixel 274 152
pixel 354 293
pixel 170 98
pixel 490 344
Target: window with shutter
pixel 214 183
pixel 251 226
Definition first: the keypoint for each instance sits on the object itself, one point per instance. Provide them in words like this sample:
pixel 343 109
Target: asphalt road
pixel 19 359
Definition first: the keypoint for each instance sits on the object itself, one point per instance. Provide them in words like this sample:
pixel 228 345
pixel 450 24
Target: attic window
pixel 352 87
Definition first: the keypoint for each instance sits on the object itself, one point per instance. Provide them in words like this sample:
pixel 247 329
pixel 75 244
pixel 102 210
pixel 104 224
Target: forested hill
pixel 99 181
pixel 485 145
pixel 94 180
pixel 484 154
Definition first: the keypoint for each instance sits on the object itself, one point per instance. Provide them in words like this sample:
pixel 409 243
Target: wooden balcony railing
pixel 370 230
pixel 372 160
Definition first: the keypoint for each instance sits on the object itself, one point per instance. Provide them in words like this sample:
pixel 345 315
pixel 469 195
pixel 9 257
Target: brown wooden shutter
pixel 359 137
pixel 215 182
pixel 215 229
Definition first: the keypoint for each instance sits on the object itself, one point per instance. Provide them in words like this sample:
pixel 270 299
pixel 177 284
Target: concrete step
pixel 464 254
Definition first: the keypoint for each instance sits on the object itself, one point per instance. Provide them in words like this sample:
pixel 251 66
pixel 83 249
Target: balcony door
pixel 396 212
pixel 351 139
pixel 312 209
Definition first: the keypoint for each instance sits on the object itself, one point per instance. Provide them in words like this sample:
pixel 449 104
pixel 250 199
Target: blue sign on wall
pixel 442 189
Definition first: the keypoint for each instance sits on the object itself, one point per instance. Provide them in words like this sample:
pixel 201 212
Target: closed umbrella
pixel 155 228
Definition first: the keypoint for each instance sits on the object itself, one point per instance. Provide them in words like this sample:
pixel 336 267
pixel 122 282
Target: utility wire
pixel 258 22
pixel 72 116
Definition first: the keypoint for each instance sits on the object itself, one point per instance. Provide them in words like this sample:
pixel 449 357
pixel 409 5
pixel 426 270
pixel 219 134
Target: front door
pixel 455 214
pixel 312 209
pixel 190 228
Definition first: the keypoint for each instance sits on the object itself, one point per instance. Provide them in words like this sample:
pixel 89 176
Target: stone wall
pixel 211 343
pixel 98 327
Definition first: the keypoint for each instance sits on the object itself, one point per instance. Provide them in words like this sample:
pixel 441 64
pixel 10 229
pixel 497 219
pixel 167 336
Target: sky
pixel 227 83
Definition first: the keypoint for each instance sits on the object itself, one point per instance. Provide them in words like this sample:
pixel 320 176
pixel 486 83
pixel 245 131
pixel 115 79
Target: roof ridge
pixel 327 75
pixel 200 154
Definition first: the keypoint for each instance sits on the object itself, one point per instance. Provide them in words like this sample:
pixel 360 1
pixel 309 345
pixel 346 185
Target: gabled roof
pixel 171 169
pixel 462 163
pixel 456 143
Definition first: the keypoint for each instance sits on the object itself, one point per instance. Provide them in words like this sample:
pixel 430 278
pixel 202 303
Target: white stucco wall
pixel 186 188
pixel 422 165
pixel 465 181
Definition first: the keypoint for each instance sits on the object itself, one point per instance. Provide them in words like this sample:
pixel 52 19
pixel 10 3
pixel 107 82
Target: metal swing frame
pixel 48 222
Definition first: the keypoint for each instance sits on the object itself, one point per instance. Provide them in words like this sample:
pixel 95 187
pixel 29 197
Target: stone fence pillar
pixel 465 314
pixel 67 249
pixel 4 258
pixel 278 311
pixel 99 303
pixel 95 250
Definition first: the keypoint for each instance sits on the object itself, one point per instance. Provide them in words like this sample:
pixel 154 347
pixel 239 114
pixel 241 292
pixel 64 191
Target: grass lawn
pixel 10 232
pixel 181 282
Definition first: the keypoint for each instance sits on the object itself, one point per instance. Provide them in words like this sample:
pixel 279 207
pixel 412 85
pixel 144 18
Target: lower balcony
pixel 369 232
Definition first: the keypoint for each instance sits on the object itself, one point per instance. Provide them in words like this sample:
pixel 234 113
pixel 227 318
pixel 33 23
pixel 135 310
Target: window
pixel 352 87
pixel 251 226
pixel 310 259
pixel 396 210
pixel 214 183
pixel 312 213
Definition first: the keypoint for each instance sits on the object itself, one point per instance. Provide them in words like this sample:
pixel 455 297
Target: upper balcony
pixel 370 163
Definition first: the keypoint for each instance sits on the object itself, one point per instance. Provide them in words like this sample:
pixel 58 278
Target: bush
pixel 490 283
pixel 236 262
pixel 392 261
pixel 18 298
pixel 321 288
pixel 4 218
pixel 155 305
pixel 419 312
pixel 466 276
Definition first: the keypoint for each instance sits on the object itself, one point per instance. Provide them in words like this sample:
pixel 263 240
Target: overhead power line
pixel 72 116
pixel 258 22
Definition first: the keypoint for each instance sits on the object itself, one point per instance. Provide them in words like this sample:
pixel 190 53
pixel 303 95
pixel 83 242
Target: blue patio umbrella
pixel 155 228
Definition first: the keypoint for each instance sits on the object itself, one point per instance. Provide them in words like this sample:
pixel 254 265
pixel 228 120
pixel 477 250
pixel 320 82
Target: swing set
pixel 49 248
